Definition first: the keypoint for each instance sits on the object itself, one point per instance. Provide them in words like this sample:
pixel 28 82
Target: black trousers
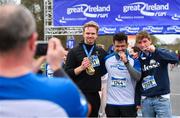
pixel 120 111
pixel 94 99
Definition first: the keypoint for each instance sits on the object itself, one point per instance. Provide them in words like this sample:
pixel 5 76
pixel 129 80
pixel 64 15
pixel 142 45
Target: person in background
pixel 103 92
pixel 122 76
pixel 134 53
pixel 110 49
pixel 101 46
pixel 155 85
pixel 65 57
pixel 22 92
pixel 179 58
pixel 103 96
pixel 49 71
pixel 85 65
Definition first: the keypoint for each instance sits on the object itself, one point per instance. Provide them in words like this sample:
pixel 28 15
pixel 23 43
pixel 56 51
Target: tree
pixel 155 40
pixel 37 8
pixel 177 41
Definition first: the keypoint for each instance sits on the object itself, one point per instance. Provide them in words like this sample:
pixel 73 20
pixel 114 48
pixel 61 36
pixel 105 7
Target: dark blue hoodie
pixel 155 79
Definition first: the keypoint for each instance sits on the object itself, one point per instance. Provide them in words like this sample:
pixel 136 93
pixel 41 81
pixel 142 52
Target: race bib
pixel 49 71
pixel 148 82
pixel 94 60
pixel 119 82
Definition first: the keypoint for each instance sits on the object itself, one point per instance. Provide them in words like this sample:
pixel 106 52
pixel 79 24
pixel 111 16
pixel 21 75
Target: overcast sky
pixel 168 38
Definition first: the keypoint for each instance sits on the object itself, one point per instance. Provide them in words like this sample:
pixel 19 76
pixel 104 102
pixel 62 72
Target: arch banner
pixel 129 16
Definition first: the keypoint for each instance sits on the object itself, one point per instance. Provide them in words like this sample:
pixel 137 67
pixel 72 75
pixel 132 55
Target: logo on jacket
pixel 119 67
pixel 153 64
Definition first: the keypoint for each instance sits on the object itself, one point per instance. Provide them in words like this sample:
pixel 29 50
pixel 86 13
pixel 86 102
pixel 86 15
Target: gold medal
pixel 90 70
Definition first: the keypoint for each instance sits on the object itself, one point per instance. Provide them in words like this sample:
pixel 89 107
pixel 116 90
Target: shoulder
pixel 61 90
pixel 101 50
pixel 76 48
pixel 163 50
pixel 58 83
pixel 56 90
pixel 51 86
pixel 74 51
pixel 110 56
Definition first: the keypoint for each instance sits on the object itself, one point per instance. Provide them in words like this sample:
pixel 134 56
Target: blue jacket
pixel 57 96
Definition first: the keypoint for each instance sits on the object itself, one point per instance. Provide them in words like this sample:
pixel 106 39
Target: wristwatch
pixel 126 62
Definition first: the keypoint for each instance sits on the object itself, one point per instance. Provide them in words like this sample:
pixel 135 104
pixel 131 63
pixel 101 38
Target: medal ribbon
pixel 88 54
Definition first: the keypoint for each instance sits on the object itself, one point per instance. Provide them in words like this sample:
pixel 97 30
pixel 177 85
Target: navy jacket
pixel 155 79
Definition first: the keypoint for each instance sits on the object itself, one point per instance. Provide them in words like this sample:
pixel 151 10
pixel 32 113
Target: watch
pixel 126 62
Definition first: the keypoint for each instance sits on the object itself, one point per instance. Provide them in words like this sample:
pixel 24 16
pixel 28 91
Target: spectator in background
pixel 85 65
pixel 103 92
pixel 23 93
pixel 101 46
pixel 49 71
pixel 134 52
pixel 110 49
pixel 179 58
pixel 155 85
pixel 178 55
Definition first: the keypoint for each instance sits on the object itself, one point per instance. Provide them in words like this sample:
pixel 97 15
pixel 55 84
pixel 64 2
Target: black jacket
pixel 85 82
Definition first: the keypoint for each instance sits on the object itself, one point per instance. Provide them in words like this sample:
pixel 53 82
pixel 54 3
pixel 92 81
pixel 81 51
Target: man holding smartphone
pixel 22 92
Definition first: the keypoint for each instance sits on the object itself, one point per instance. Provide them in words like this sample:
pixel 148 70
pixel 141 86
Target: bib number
pixel 94 60
pixel 119 82
pixel 148 82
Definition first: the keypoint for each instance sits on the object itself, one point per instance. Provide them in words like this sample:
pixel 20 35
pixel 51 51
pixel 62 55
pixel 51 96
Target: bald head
pixel 16 26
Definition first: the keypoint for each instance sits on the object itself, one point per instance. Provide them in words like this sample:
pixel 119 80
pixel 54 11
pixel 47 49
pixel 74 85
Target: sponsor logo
pixel 174 28
pixel 90 11
pixel 153 29
pixel 119 66
pixel 130 29
pixel 64 20
pixel 175 17
pixel 153 64
pixel 147 9
pixel 119 19
pixel 108 30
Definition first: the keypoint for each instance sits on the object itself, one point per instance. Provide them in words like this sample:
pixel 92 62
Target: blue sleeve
pixel 137 65
pixel 166 55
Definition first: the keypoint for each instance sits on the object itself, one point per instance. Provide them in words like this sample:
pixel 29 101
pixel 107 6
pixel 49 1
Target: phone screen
pixel 41 48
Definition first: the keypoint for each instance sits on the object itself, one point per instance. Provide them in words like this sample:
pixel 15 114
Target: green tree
pixel 37 8
pixel 177 41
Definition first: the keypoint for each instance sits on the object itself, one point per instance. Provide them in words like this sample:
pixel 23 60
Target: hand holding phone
pixel 55 53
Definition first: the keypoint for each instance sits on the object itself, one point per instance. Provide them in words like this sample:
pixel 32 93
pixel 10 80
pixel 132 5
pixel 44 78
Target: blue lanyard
pixel 90 52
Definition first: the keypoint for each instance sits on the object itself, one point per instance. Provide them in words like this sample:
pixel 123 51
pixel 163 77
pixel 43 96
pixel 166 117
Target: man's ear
pixel 32 40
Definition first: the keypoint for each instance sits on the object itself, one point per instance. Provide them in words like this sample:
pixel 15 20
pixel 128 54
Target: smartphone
pixel 41 48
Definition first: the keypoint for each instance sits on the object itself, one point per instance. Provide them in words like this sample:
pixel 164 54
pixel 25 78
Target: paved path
pixel 175 90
